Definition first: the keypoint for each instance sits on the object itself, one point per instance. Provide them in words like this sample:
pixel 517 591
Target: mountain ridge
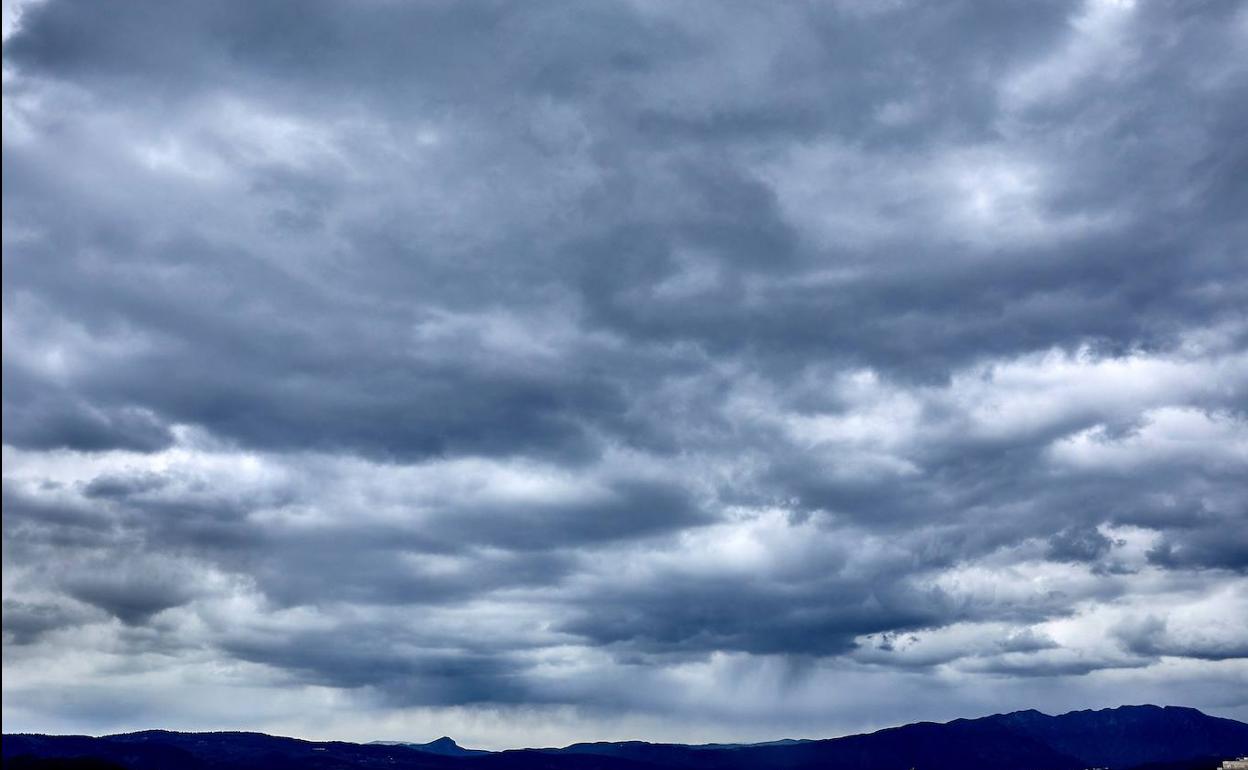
pixel 1121 738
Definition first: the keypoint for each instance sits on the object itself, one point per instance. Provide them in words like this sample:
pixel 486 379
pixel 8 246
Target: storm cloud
pixel 546 371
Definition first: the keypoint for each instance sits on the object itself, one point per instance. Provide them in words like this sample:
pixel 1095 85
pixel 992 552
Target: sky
pixel 534 372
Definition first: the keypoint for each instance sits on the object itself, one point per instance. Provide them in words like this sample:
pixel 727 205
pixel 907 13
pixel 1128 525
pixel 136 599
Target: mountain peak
pixel 445 746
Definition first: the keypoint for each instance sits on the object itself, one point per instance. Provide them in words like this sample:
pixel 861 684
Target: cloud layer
pixel 537 372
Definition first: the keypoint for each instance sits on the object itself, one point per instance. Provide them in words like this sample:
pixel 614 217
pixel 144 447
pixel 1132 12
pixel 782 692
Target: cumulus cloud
pixel 624 370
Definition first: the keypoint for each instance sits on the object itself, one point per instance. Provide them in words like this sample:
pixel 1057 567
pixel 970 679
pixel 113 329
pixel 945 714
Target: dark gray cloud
pixel 391 663
pixel 37 416
pixel 132 599
pixel 773 618
pixel 1216 545
pixel 26 622
pixel 1150 636
pixel 622 359
pixel 1073 544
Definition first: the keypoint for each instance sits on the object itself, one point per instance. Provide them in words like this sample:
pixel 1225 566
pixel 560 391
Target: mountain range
pixel 1125 738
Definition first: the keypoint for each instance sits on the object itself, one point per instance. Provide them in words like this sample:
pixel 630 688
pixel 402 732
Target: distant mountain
pixel 1126 738
pixel 954 746
pixel 445 746
pixel 1131 735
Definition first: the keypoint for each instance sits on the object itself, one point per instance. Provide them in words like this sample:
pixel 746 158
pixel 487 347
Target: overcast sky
pixel 534 371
